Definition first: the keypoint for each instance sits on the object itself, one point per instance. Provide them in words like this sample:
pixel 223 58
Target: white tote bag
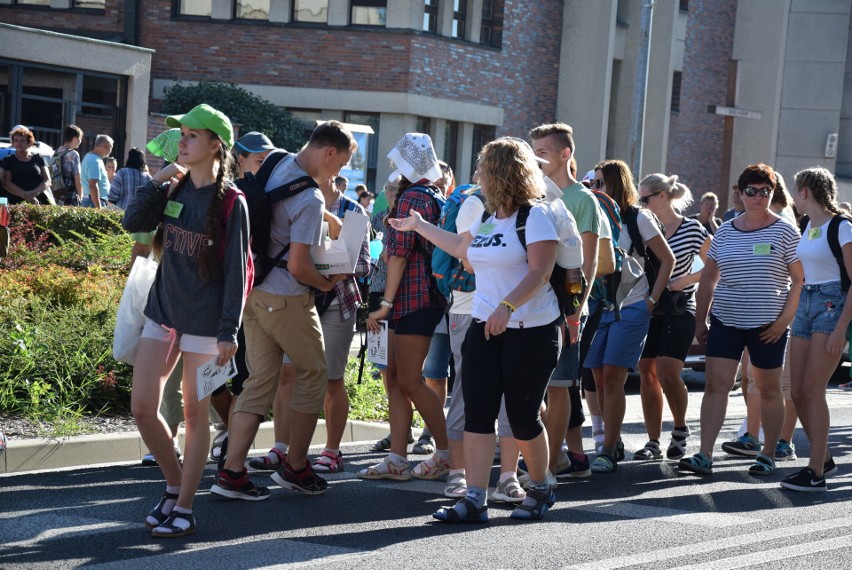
pixel 130 318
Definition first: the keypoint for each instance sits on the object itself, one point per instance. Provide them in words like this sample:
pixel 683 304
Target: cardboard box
pixel 341 255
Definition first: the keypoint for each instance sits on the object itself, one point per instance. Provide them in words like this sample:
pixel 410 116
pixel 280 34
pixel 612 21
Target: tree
pixel 249 111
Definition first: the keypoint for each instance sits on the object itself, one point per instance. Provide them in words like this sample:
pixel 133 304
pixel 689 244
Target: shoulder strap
pixel 231 195
pixel 269 163
pixel 347 205
pixel 521 223
pixel 834 243
pixel 629 219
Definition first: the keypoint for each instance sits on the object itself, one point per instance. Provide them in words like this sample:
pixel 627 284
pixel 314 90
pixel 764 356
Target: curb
pixel 48 454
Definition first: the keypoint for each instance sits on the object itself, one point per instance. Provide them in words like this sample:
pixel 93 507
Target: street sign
pixel 733 112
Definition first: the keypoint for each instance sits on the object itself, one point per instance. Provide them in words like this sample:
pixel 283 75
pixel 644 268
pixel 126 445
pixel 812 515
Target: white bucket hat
pixel 414 157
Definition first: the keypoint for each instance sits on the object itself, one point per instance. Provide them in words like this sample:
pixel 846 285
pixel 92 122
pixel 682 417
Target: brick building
pixel 466 71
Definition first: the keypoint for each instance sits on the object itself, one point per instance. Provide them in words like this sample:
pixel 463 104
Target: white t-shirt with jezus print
pixel 500 263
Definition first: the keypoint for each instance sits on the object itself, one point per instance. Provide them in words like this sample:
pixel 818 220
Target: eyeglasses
pixel 645 199
pixel 597 183
pixel 751 192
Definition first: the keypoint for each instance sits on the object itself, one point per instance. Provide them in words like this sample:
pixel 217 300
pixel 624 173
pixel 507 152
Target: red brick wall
pixel 108 24
pixel 695 136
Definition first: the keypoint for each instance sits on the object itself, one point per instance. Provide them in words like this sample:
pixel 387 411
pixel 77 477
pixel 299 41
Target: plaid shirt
pixel 347 291
pixel 417 289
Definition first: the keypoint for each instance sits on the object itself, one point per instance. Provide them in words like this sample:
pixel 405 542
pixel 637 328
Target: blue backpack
pixel 449 272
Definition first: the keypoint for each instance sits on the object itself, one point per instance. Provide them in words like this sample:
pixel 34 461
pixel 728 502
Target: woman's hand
pixel 227 350
pixel 701 332
pixel 836 342
pixel 573 328
pixel 678 284
pixel 497 322
pixel 773 332
pixel 378 315
pixel 408 224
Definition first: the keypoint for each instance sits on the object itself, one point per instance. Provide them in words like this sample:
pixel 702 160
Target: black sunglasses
pixel 751 191
pixel 597 183
pixel 645 199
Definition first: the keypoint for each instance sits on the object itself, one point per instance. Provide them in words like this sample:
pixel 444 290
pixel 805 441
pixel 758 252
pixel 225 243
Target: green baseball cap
pixel 205 117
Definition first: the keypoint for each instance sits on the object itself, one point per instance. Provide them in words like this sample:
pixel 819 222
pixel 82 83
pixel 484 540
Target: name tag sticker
pixel 813 233
pixel 173 209
pixel 486 229
pixel 762 249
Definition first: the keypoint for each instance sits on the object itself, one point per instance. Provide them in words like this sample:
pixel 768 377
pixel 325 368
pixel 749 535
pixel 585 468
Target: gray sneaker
pixel 745 446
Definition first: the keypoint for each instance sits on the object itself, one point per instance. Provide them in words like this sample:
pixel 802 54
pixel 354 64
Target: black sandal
pixel 452 516
pixel 543 502
pixel 158 514
pixel 173 530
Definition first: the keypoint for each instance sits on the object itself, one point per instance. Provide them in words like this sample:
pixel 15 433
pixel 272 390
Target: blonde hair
pixel 709 196
pixel 510 175
pixel 680 197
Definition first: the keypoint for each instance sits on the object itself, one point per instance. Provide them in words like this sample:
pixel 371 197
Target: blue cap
pixel 253 142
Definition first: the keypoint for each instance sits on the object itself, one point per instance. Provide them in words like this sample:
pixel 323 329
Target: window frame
pixel 295 20
pixel 459 25
pixel 430 12
pixel 353 4
pixel 236 16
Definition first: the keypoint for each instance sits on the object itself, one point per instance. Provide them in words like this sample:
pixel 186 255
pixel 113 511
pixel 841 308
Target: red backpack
pixel 231 195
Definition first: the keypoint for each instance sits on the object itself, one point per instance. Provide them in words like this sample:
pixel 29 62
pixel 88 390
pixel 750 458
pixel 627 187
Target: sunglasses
pixel 597 183
pixel 751 192
pixel 645 199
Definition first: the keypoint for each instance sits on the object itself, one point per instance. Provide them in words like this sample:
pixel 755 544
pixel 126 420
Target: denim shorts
pixel 567 371
pixel 437 364
pixel 819 309
pixel 620 343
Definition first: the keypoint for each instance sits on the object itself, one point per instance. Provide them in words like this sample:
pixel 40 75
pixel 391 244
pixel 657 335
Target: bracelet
pixel 573 323
pixel 385 303
pixel 508 305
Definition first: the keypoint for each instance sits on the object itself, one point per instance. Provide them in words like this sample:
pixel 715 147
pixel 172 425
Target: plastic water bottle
pixel 4 212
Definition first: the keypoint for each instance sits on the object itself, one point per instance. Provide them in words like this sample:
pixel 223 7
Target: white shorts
pixel 185 342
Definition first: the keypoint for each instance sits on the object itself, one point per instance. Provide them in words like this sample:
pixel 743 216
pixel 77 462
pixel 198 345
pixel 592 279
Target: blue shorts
pixel 729 342
pixel 620 343
pixel 819 309
pixel 437 364
pixel 567 371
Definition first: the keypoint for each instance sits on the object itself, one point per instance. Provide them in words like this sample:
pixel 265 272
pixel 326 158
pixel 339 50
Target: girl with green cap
pixel 195 304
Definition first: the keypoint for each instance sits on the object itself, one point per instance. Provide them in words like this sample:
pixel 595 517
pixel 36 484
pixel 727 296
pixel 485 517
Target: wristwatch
pixel 652 301
pixel 386 304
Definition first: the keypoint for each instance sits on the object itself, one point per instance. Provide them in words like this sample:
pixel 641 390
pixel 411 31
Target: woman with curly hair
pixel 511 347
pixel 195 304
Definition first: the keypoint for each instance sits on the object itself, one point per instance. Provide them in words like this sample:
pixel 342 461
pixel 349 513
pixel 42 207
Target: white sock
pixel 455 472
pixel 442 454
pixel 597 424
pixel 505 475
pixel 182 524
pixel 334 451
pixel 397 459
pixel 168 504
pixel 282 447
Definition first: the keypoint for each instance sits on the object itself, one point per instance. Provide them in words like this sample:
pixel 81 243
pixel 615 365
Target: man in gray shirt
pixel 280 318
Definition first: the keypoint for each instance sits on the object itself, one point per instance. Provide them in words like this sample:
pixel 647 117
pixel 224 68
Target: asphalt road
pixel 645 515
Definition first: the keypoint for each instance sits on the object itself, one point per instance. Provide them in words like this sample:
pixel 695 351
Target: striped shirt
pixel 685 243
pixel 754 273
pixel 124 185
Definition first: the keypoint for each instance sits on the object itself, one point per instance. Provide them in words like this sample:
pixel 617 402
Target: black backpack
pixel 637 244
pixel 260 201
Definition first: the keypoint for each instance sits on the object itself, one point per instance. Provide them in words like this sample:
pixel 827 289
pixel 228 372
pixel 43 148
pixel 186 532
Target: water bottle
pixel 574 280
pixel 4 212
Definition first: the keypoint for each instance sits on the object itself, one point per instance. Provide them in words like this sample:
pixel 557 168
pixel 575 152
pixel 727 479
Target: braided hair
pixel 207 260
pixel 822 186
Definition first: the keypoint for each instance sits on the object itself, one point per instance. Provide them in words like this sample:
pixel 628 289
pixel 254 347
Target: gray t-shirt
pixel 294 220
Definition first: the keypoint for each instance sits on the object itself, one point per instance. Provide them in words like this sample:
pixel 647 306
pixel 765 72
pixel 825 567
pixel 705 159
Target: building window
pixel 459 18
pixel 677 77
pixel 310 11
pixel 684 5
pixel 430 16
pixel 33 2
pixel 369 152
pixel 369 12
pixel 491 27
pixel 424 125
pixel 252 9
pixel 482 135
pixel 90 4
pixel 195 8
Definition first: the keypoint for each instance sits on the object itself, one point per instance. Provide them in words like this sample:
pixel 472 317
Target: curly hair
pixel 679 195
pixel 509 175
pixel 822 185
pixel 22 132
pixel 619 183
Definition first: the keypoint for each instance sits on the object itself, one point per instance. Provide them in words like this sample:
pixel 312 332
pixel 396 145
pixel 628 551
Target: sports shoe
pixel 619 450
pixel 829 468
pixel 678 444
pixel 236 485
pixel 386 469
pixel 604 464
pixel 785 451
pixel 745 446
pixel 269 462
pixel 305 481
pixel 649 452
pixel 575 468
pixel 424 446
pixel 698 463
pixel 431 469
pixel 328 462
pixel 805 480
pixel 509 491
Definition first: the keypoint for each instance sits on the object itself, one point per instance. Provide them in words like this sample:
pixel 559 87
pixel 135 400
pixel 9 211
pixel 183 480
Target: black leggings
pixel 517 364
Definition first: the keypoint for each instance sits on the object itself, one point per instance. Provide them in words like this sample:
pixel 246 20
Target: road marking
pixel 782 553
pixel 37 529
pixel 677 516
pixel 724 543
